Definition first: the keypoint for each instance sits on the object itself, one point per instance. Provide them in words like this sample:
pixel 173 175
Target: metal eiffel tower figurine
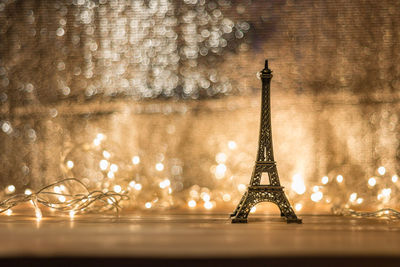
pixel 256 192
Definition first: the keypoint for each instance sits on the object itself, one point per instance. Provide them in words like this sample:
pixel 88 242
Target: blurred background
pixel 160 99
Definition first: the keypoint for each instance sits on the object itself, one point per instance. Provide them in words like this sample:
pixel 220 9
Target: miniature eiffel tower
pixel 256 192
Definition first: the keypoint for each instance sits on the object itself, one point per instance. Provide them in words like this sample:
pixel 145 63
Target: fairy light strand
pixel 72 202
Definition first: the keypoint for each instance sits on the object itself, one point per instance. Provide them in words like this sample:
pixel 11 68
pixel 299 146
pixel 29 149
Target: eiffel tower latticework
pixel 256 192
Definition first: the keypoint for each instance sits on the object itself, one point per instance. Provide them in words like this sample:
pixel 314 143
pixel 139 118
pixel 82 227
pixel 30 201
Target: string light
pixel 10 189
pixel 47 196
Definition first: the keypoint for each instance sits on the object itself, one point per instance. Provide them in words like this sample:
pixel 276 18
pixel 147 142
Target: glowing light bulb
pixel 372 181
pixel 381 170
pixel 253 209
pixel 62 199
pixel 57 190
pixel 395 178
pixel 298 206
pixel 206 197
pixel 70 164
pixel 325 180
pixel 96 142
pixel 315 188
pixel 106 154
pixel 220 171
pixel 360 200
pixel 103 164
pixel 28 192
pixel 136 160
pixel 114 167
pixel 8 212
pixel 386 192
pixel 298 184
pixel 71 214
pixel 317 196
pixel 226 197
pixel 220 158
pixel 117 188
pixel 242 188
pixel 165 183
pixel 339 178
pixel 208 205
pixel 159 166
pixel 232 145
pixel 148 205
pixel 100 136
pixel 38 214
pixel 138 187
pixel 353 197
pixel 132 184
pixel 10 189
pixel 111 200
pixel 192 203
pixel 110 175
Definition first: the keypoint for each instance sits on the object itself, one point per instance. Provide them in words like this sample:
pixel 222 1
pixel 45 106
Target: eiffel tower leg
pixel 238 206
pixel 244 209
pixel 286 208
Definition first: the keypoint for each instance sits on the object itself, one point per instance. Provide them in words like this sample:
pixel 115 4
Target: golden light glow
pixel 226 197
pixel 114 167
pixel 220 158
pixel 106 154
pixel 132 184
pixel 395 178
pixel 28 191
pixel 208 205
pixel 298 206
pixel 8 212
pixel 62 199
pixel 159 166
pixel 138 187
pixel 148 205
pixel 381 170
pixel 117 188
pixel 353 197
pixel 298 184
pixel 136 160
pixel 165 183
pixel 220 171
pixel 70 164
pixel 317 196
pixel 205 196
pixel 339 178
pixel 232 145
pixel 192 203
pixel 372 181
pixel 10 189
pixel 103 164
pixel 71 214
pixel 57 190
pixel 253 209
pixel 110 175
pixel 325 180
pixel 242 188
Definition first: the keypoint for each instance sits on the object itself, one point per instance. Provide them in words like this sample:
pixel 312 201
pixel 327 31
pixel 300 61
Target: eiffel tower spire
pixel 256 192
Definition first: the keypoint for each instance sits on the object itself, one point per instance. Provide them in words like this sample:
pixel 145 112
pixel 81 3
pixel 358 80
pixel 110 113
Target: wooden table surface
pixel 196 235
